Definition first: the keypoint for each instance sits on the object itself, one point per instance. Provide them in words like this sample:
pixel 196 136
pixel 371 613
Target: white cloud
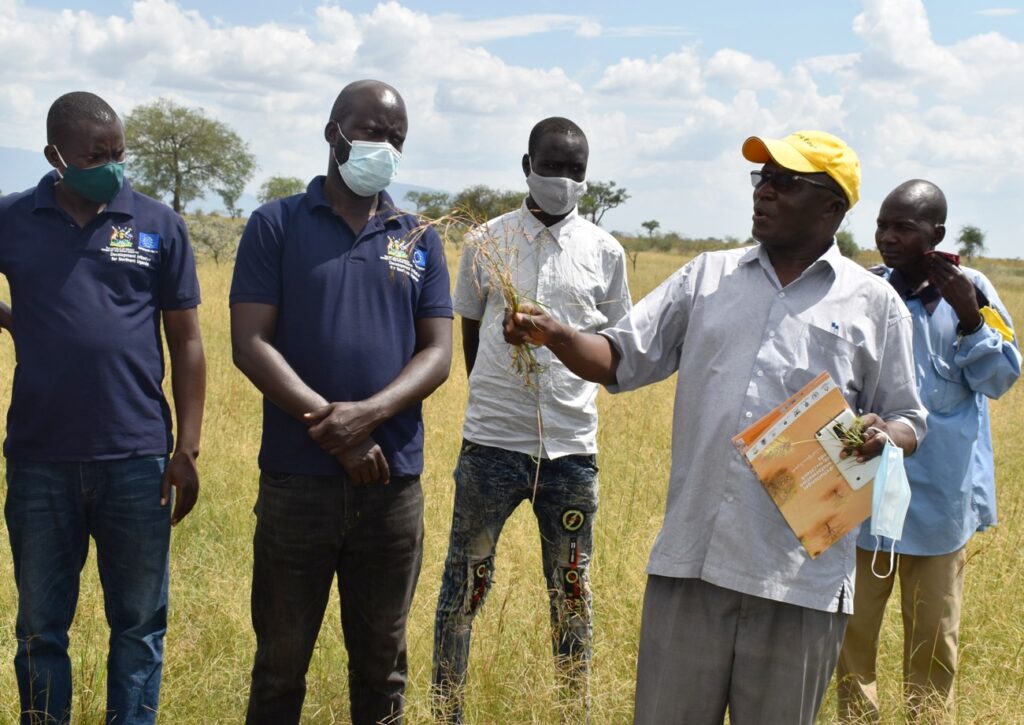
pixel 667 127
pixel 677 74
pixel 740 70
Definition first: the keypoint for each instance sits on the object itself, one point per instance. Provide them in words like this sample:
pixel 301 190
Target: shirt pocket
pixel 944 390
pixel 828 350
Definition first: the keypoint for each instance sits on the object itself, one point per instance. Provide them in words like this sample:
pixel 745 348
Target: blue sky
pixel 666 91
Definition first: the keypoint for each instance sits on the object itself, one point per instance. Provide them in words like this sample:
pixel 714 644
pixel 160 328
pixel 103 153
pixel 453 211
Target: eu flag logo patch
pixel 149 242
pixel 419 258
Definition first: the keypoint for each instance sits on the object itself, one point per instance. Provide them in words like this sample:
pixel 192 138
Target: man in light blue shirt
pixel 964 352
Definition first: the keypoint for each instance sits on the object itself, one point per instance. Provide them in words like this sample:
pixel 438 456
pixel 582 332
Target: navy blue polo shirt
pixel 347 309
pixel 86 304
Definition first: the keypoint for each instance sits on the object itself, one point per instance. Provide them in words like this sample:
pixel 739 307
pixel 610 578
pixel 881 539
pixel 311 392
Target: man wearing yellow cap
pixel 736 615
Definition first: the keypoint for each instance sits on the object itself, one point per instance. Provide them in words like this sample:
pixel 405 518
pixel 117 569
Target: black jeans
pixel 309 528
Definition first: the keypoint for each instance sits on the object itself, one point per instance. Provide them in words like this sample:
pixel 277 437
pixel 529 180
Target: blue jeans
pixel 51 510
pixel 310 529
pixel 489 484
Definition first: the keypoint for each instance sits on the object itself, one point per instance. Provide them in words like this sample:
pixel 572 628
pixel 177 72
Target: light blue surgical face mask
pixel 890 500
pixel 371 165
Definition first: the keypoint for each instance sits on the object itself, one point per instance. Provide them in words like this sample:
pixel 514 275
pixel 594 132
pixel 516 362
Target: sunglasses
pixel 785 181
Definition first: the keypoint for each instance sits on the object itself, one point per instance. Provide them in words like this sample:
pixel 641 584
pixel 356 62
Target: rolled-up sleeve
pixel 649 339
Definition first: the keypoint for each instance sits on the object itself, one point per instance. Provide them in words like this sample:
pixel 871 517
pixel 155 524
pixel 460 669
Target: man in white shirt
pixel 535 437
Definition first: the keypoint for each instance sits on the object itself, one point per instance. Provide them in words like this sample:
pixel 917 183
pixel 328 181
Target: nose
pixel 764 190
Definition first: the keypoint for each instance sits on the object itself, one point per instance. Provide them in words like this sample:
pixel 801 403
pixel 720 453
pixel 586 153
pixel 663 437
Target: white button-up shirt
pixel 577 272
pixel 741 348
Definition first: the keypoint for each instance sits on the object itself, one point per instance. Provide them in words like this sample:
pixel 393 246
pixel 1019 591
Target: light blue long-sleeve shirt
pixel 952 476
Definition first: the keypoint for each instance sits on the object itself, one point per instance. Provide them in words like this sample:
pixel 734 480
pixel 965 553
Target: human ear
pixel 526 164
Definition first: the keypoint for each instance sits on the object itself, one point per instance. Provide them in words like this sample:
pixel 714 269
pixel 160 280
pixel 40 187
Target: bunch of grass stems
pixel 489 255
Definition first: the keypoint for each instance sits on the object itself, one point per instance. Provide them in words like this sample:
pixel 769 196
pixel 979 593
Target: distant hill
pixel 21 169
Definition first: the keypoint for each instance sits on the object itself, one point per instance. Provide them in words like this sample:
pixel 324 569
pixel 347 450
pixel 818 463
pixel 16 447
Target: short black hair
pixel 555 124
pixel 71 109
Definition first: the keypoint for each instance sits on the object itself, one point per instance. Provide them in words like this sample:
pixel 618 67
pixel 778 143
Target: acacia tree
pixel 601 197
pixel 179 152
pixel 651 225
pixel 278 187
pixel 430 204
pixel 971 241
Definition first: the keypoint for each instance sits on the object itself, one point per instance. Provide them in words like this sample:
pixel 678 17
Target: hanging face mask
pixel 98 184
pixel 371 165
pixel 555 195
pixel 890 500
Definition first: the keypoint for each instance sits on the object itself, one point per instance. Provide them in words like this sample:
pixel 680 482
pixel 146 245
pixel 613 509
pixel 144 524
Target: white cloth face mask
pixel 890 500
pixel 555 195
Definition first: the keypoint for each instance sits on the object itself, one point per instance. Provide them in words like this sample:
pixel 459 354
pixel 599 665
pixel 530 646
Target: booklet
pixel 794 450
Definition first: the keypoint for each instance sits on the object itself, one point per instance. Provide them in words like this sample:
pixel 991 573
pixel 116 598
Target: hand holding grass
pixel 530 325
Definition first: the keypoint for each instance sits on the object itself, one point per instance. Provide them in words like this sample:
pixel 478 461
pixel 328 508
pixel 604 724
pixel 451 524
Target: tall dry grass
pixel 210 643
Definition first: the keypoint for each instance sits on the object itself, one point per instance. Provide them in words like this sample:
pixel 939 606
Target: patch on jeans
pixel 572 519
pixel 573 591
pixel 482 574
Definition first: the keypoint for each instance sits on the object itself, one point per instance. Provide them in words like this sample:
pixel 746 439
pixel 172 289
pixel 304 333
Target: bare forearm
pixel 903 436
pixel 590 356
pixel 267 369
pixel 470 342
pixel 421 376
pixel 188 387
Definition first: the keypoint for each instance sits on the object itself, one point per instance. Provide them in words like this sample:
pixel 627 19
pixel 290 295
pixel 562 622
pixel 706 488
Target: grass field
pixel 210 642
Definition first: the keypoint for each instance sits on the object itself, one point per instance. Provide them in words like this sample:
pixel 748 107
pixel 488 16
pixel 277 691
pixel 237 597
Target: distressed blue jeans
pixel 51 511
pixel 489 484
pixel 310 529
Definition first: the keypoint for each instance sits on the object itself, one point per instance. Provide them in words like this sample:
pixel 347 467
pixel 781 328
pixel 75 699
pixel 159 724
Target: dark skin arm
pixel 341 425
pixel 593 357
pixel 188 385
pixel 252 332
pixel 6 320
pixel 470 342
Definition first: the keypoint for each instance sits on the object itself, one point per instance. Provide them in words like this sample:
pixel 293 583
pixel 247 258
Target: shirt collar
pixel 928 295
pixel 45 197
pixel 386 209
pixel 758 253
pixel 533 227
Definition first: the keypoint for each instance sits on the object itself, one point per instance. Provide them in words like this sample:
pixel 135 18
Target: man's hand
pixel 337 427
pixel 531 325
pixel 182 474
pixel 957 289
pixel 900 434
pixel 365 463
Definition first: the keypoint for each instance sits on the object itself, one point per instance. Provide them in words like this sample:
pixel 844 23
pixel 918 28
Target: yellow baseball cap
pixel 810 152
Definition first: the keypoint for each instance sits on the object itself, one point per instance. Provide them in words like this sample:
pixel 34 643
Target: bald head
pixel 356 96
pixel 923 198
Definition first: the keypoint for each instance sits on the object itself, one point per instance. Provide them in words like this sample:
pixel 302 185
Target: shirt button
pixel 749 414
pixel 782 294
pixel 760 373
pixel 729 498
pixel 771 333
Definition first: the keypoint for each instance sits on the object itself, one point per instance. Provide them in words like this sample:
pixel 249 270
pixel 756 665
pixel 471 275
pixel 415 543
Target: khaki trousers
pixel 931 593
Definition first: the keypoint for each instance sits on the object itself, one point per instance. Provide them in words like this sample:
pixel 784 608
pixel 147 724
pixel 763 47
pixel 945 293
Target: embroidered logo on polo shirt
pixel 121 247
pixel 403 256
pixel 121 237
